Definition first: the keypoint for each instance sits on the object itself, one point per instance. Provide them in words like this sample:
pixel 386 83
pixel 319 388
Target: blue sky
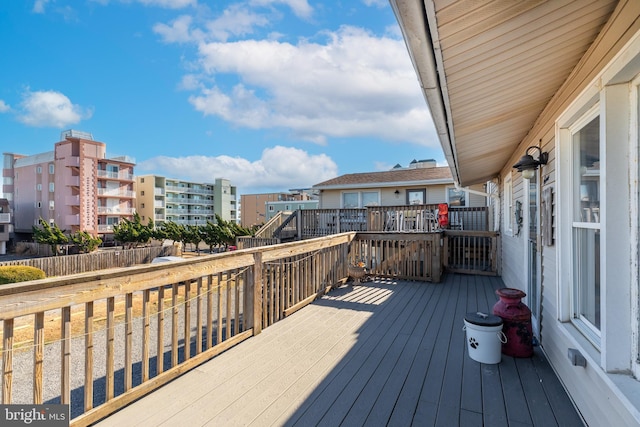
pixel 270 94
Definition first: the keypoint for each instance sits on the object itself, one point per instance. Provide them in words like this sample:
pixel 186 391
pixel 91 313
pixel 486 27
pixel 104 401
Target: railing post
pixel 299 224
pixel 255 289
pixel 436 266
pixel 337 221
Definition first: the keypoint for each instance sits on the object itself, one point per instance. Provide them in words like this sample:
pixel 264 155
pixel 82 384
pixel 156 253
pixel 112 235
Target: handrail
pixel 216 301
pixel 268 229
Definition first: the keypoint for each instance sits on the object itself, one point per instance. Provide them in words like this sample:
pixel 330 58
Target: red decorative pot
pixel 516 322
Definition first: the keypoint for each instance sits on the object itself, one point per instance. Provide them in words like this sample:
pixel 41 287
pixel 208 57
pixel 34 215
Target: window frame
pixel 508 214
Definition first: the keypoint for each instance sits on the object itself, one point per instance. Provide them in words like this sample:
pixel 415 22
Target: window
pixel 39 170
pixel 141 180
pixel 38 204
pixel 51 205
pixel 370 198
pixel 141 205
pixel 51 187
pixel 416 197
pixel 456 197
pixel 39 187
pixel 271 208
pixel 508 204
pixel 360 199
pixel 52 168
pixel 350 200
pixel 585 144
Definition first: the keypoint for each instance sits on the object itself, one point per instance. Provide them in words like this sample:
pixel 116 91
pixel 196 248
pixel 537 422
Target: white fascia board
pixel 419 29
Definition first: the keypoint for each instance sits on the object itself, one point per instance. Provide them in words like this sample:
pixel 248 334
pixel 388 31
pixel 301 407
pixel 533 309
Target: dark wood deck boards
pixel 384 353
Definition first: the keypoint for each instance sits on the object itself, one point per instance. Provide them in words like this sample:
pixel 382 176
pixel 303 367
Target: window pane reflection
pixel 587 274
pixel 587 172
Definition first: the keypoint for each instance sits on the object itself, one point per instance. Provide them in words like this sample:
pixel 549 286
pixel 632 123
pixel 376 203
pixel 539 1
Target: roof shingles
pixel 419 175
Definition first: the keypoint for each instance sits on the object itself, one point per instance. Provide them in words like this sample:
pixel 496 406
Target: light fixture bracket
pixel 528 163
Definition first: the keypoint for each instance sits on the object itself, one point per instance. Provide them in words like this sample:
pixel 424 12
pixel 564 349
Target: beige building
pixel 421 183
pixel 76 186
pixel 255 210
pixel 184 202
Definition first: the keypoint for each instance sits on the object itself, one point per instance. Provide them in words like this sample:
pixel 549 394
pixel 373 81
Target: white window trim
pixel 507 189
pixel 619 318
pixel 359 193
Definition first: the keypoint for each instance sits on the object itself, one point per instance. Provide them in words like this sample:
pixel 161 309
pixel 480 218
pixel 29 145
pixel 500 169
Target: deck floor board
pixel 384 353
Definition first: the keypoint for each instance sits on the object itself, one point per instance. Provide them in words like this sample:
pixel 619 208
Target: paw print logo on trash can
pixel 473 343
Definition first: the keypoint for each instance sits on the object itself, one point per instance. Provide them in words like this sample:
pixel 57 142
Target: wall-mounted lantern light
pixel 528 165
pixel 397 193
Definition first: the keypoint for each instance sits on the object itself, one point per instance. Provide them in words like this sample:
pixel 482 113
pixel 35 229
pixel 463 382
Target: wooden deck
pixel 383 353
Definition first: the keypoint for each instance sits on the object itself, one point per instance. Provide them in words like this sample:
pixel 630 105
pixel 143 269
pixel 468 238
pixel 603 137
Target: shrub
pixel 19 273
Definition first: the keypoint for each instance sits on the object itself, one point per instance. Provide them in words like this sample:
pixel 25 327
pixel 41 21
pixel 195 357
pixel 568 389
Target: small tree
pixel 193 236
pixel 133 232
pixel 85 242
pixel 211 235
pixel 50 234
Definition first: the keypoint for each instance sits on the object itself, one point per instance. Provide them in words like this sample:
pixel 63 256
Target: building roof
pixel 394 177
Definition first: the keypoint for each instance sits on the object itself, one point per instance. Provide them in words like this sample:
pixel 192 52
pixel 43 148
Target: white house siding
pixel 605 391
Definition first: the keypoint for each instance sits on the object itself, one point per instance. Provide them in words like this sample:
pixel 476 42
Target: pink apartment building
pixel 76 186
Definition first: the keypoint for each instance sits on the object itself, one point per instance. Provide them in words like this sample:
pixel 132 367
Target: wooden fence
pixel 471 252
pixel 71 264
pixel 400 255
pixel 122 333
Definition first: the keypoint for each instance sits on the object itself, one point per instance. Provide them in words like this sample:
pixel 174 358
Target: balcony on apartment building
pixel 116 192
pixel 189 201
pixel 193 190
pixel 72 219
pixel 185 211
pixel 115 210
pixel 72 200
pixel 105 228
pixel 120 176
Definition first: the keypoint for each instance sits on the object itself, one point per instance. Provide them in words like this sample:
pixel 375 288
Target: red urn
pixel 516 321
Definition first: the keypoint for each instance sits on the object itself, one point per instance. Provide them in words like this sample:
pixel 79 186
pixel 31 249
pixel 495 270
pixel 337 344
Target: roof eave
pixel 422 44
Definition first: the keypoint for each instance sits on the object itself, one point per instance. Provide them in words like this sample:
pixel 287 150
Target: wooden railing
pixel 104 339
pixel 246 242
pixel 324 222
pixel 471 252
pixel 399 255
pixel 112 258
pixel 267 230
pixel 101 340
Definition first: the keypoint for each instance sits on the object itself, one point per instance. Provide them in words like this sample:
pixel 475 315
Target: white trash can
pixel 484 337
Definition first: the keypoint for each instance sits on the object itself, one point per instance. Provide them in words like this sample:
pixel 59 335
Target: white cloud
pixel 376 3
pixel 50 108
pixel 300 8
pixel 166 4
pixel 236 20
pixel 279 168
pixel 177 32
pixel 39 5
pixel 4 107
pixel 355 85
